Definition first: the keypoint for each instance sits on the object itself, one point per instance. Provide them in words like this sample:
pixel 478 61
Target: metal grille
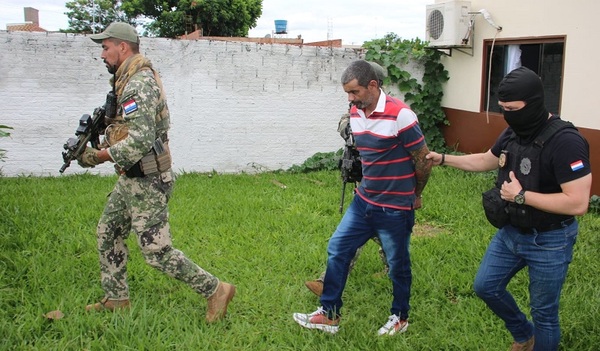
pixel 435 24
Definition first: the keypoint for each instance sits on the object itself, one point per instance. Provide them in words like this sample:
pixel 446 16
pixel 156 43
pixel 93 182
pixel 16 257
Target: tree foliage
pixel 172 18
pixel 166 18
pixel 92 16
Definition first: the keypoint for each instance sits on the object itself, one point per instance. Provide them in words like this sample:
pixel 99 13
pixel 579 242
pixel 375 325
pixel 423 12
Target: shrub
pixel 321 161
pixel 3 133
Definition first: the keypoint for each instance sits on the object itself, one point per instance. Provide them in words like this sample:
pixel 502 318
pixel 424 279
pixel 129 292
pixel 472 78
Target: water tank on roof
pixel 280 26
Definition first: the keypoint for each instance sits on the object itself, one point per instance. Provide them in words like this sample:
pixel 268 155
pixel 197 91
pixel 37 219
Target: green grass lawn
pixel 267 234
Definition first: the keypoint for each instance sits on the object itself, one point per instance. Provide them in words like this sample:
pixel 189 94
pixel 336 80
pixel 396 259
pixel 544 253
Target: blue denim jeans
pixel 547 256
pixel 361 222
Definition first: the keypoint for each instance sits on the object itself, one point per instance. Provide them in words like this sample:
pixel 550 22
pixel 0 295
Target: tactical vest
pixel 525 161
pixel 158 159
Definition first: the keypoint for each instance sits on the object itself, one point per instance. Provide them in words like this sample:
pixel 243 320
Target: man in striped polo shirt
pixel 395 171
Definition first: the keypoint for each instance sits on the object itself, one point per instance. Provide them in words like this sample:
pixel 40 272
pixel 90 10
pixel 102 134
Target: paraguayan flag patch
pixel 130 106
pixel 577 165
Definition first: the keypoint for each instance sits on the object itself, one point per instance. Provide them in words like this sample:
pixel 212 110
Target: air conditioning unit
pixel 447 24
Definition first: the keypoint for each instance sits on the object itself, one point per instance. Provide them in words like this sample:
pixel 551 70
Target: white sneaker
pixel 394 325
pixel 318 320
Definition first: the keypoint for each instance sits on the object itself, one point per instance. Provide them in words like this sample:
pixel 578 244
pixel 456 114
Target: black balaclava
pixel 522 84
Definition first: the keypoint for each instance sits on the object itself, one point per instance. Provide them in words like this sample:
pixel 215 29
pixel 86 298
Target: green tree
pixel 92 16
pixel 172 18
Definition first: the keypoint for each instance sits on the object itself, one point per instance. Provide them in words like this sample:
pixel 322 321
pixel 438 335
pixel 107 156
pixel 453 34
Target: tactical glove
pixel 89 158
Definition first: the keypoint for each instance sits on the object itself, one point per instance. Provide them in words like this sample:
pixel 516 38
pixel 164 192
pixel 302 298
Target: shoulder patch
pixel 130 106
pixel 577 165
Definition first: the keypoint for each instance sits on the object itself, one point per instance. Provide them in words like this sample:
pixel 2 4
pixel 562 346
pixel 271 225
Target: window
pixel 543 56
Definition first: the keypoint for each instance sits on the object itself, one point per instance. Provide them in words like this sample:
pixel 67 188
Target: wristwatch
pixel 520 197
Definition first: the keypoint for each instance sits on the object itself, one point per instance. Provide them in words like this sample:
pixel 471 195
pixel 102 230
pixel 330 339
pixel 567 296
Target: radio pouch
pixel 496 210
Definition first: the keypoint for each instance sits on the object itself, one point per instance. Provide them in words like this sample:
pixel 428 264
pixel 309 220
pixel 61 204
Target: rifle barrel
pixel 343 194
pixel 64 166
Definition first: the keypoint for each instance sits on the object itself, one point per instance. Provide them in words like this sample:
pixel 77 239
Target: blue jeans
pixel 547 256
pixel 361 222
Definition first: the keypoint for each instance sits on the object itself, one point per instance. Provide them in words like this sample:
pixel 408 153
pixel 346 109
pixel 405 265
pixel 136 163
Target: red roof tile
pixel 24 27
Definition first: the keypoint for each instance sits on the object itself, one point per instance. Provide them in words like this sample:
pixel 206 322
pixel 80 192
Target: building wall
pixel 471 129
pixel 234 106
pixel 529 19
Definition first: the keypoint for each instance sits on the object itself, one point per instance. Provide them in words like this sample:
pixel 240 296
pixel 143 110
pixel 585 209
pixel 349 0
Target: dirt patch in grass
pixel 426 230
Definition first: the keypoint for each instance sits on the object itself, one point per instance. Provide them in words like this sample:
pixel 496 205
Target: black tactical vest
pixel 525 161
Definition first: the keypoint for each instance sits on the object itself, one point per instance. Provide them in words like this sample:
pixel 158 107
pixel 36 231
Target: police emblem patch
pixel 130 106
pixel 525 166
pixel 502 159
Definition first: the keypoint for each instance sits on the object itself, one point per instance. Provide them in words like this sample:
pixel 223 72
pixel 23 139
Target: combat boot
pixel 315 286
pixel 108 304
pixel 218 301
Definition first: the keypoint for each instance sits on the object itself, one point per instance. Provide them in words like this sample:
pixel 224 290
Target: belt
pixel 136 170
pixel 548 228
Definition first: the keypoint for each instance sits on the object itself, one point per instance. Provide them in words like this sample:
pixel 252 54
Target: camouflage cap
pixel 379 71
pixel 118 30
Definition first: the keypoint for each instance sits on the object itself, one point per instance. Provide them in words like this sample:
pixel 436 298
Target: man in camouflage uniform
pixel 316 286
pixel 138 145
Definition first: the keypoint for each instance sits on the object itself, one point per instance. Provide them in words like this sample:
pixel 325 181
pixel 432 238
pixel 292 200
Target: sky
pixel 315 20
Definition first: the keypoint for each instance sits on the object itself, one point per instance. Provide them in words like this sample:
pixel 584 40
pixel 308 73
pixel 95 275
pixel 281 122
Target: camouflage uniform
pixel 139 204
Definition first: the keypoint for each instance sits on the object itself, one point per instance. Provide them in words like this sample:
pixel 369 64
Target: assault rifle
pixel 89 129
pixel 350 164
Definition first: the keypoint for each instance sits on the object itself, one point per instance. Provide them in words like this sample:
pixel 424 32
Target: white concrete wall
pixel 234 106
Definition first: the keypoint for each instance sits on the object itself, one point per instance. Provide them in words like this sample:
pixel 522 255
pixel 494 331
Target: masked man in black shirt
pixel 544 181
